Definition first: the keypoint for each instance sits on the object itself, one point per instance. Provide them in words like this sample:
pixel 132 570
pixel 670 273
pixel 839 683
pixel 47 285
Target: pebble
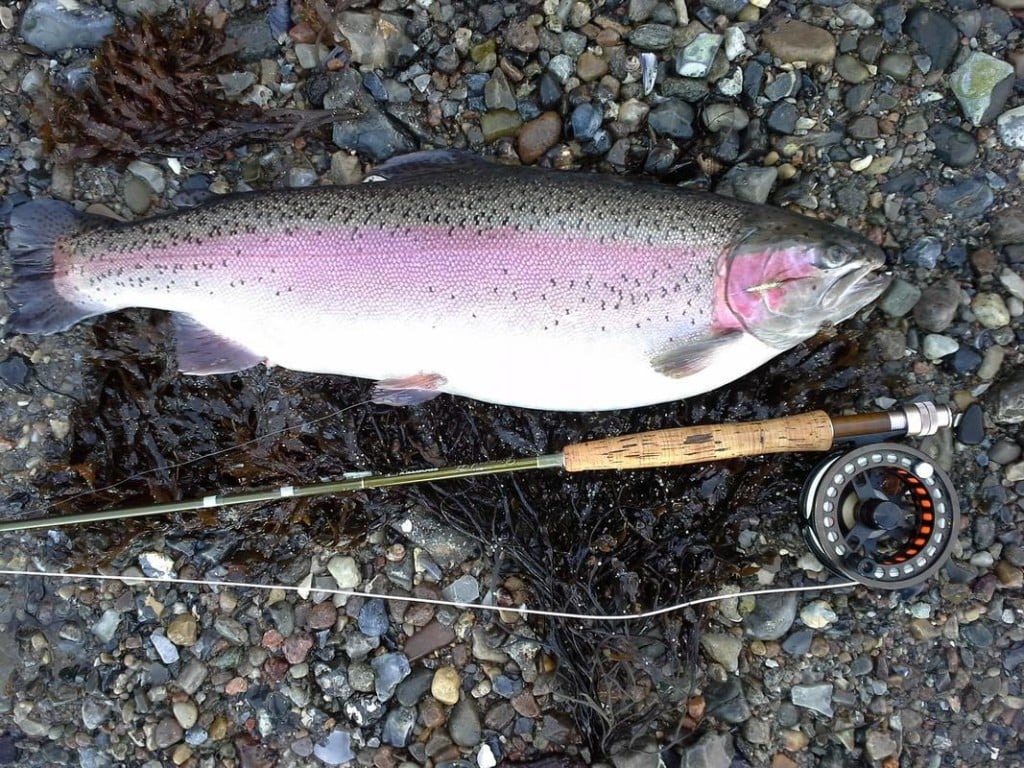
pixel 937 306
pixel 167 733
pixel 879 745
pixel 935 34
pixel 389 670
pixel 446 685
pixel 186 713
pixel 373 617
pixel 673 118
pixel 590 67
pixel 953 146
pixel 851 69
pixel 345 571
pixel 399 725
pixel 695 59
pixel 464 725
pixel 726 700
pixel 498 93
pixel 464 590
pixel 375 40
pixel 522 36
pixel 336 749
pixel 816 697
pixel 725 649
pixel 499 123
pixel 721 118
pixel 231 630
pixel 539 135
pixel 95 713
pixel 982 84
pixel 784 86
pixel 990 310
pixel 772 617
pixel 900 298
pixel 106 627
pixel 783 118
pixel 1010 125
pixel 898 66
pixel 967 199
pixel 651 37
pixel 712 750
pixel 936 346
pixel 166 650
pixel 818 615
pixel 53 26
pixel 192 676
pixel 585 121
pixel 371 134
pixel 751 184
pixel 1008 397
pixel 296 647
pixel 183 630
pixel 793 40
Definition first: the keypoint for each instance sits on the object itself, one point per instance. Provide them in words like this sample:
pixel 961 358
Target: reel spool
pixel 883 515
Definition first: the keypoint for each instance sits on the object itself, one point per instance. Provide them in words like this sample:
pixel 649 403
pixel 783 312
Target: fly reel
pixel 883 515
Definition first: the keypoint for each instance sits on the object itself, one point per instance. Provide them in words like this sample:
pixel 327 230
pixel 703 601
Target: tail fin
pixel 36 304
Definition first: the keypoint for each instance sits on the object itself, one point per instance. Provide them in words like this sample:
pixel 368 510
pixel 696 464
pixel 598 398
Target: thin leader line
pixel 522 610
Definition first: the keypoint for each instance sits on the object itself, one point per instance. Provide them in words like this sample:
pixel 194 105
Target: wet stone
pixel 192 676
pixel 965 360
pixel 863 128
pixel 966 199
pixel 935 34
pixel 783 117
pixel 900 298
pixel 982 84
pixel 695 59
pixel 1010 125
pixel 345 571
pixel 446 685
pixel 464 725
pixel 53 26
pixel 165 649
pixel 713 750
pixel 95 713
pixel 186 713
pixel 522 36
pixel 389 670
pixel 297 646
pixel 373 617
pixel 923 253
pixel 851 69
pixel 816 697
pixel 323 616
pixel 427 640
pixel 361 677
pixel 336 749
pixel 464 590
pixel 879 745
pixel 936 346
pixel 167 733
pixel 977 634
pixel 364 710
pixel 782 87
pixel 183 630
pixel 898 66
pixel 673 118
pixel 636 754
pixel 937 307
pixel 990 310
pixel 585 121
pixel 106 627
pixel 725 649
pixel 411 690
pixel 333 681
pixel 651 37
pixel 398 726
pixel 953 146
pixel 726 701
pixel 794 40
pixel 772 616
pixel 231 630
pixel 751 184
pixel 359 646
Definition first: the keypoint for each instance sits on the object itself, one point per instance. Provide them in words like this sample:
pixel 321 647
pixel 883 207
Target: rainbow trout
pixel 540 289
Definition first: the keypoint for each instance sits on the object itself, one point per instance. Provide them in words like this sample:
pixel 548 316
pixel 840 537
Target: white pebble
pixel 859 164
pixel 818 615
pixel 485 757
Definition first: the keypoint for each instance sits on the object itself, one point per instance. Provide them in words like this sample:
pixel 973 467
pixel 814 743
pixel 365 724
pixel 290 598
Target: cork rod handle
pixel 711 442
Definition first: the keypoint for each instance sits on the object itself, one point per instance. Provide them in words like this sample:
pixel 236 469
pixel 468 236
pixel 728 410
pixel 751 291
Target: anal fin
pixel 202 352
pixel 692 357
pixel 408 390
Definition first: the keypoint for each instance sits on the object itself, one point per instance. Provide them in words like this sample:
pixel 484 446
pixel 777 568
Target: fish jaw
pixel 785 290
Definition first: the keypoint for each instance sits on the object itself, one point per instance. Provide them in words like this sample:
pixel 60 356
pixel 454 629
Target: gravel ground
pixel 902 121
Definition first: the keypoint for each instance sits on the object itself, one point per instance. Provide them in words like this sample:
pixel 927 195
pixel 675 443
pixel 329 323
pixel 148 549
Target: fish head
pixel 790 277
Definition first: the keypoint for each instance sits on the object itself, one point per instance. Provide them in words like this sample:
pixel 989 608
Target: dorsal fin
pixel 419 165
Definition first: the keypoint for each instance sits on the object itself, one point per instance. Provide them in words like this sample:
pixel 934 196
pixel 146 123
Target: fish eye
pixel 834 255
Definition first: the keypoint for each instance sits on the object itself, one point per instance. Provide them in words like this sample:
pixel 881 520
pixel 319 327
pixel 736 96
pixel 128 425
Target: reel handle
pixel 710 442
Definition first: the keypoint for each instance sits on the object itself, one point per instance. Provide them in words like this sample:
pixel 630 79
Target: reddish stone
pixel 296 647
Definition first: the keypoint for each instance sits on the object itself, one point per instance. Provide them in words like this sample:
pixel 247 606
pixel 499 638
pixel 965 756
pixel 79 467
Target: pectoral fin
pixel 201 351
pixel 408 390
pixel 694 356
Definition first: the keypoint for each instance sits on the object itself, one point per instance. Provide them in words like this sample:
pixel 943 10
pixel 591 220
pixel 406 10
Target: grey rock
pixel 464 590
pixel 879 745
pixel 721 117
pixel 953 146
pixel 923 253
pixel 752 184
pixel 95 713
pixel 695 59
pixel 345 571
pixel 255 38
pixel 361 677
pixel 106 627
pixel 726 700
pixel 651 37
pixel 167 733
pixel 856 16
pixel 364 710
pixel 869 48
pixel 982 84
pixel 53 26
pixel 231 630
pixel 359 646
pixel 725 649
pixel 936 35
pixel 816 697
pixel 899 298
pixel 851 69
pixel 673 118
pixel 772 616
pixel 641 10
pixel 336 749
pixel 938 305
pixel 1008 397
pixel 728 8
pixel 464 723
pixel 898 66
pixel 138 196
pixel 782 87
pixel 373 617
pixel 167 650
pixel 398 726
pixel 389 670
pixel 714 750
pixel 333 681
pixel 863 128
pixel 498 93
pixel 192 676
pixel 757 731
pixel 1003 452
pixel 375 39
pixel 936 346
pixel 446 546
pixel 412 690
pixel 235 83
pixel 1010 125
pixel 783 118
pixel 642 754
pixel 585 121
pixel 371 134
pixel 966 199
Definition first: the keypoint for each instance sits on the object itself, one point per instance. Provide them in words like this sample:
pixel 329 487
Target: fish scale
pixel 536 288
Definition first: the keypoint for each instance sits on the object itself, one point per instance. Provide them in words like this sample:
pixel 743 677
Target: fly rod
pixel 814 431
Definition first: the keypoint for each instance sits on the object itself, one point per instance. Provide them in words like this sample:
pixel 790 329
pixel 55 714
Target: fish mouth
pixel 858 285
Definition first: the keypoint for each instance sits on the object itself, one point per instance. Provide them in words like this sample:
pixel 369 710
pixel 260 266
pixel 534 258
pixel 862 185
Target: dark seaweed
pixel 600 542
